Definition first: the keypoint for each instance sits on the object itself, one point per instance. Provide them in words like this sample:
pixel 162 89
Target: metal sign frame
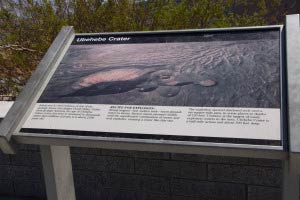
pixel 11 125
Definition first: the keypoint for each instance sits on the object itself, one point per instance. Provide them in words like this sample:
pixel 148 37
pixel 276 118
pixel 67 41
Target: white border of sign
pixel 4 107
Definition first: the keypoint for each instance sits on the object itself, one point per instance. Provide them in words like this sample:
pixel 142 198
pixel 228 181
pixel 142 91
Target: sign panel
pixel 212 86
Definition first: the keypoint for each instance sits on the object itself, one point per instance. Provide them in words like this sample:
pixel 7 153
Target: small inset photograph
pixel 223 73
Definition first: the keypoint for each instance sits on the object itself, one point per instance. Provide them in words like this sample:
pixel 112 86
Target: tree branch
pixel 16 47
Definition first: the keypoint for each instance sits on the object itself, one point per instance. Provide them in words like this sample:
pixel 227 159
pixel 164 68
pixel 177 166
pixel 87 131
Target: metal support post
pixel 291 168
pixel 291 178
pixel 58 172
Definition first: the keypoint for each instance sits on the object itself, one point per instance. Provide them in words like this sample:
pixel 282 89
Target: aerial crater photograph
pixel 221 73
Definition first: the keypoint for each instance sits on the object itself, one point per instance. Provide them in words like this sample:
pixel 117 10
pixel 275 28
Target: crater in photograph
pixel 221 73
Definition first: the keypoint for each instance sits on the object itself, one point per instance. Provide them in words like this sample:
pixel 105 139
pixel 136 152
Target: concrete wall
pixel 129 175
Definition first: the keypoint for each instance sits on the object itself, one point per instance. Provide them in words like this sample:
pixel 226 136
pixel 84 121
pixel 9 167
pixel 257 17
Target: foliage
pixel 27 27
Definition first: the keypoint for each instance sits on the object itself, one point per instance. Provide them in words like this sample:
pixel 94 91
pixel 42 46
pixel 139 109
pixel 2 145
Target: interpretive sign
pixel 221 86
